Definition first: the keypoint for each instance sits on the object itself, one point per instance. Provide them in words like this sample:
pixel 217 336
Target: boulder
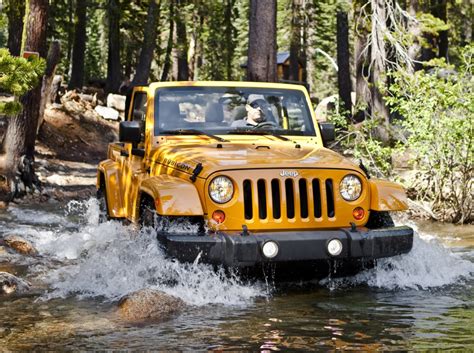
pixel 116 101
pixel 107 113
pixel 10 284
pixel 20 245
pixel 148 304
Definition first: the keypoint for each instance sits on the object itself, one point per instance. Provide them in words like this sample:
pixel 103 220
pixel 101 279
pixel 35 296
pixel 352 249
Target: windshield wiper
pixel 193 132
pixel 258 132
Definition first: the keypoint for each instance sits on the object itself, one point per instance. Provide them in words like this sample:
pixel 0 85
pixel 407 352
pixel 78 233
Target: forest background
pixel 400 72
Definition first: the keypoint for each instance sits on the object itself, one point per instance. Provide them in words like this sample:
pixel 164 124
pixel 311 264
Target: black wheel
pixel 148 215
pixel 379 219
pixel 103 208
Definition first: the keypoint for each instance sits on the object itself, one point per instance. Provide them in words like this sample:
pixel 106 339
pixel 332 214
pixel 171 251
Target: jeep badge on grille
pixel 289 173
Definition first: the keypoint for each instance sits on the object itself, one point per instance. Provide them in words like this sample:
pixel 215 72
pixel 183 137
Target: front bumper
pixel 236 250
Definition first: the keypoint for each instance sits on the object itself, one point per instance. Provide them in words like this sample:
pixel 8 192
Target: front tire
pixel 148 215
pixel 380 219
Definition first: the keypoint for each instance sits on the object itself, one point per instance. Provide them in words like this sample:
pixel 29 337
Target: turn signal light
pixel 358 213
pixel 218 216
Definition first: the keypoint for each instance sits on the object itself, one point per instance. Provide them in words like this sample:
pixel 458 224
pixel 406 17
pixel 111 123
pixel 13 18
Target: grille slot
pixel 276 199
pixel 262 199
pixel 317 199
pixel 330 198
pixel 303 198
pixel 290 198
pixel 248 199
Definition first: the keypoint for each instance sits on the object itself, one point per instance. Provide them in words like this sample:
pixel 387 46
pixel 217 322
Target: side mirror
pixel 130 131
pixel 328 132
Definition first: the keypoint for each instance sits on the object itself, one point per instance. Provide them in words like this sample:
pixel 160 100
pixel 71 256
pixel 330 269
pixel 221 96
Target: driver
pixel 256 108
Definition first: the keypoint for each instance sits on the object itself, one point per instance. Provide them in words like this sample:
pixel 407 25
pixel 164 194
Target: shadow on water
pixel 422 300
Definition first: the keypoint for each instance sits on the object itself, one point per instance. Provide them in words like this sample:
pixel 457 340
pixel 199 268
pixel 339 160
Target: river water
pixel 422 300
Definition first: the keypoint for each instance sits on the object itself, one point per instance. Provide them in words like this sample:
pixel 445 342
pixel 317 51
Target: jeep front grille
pixel 289 198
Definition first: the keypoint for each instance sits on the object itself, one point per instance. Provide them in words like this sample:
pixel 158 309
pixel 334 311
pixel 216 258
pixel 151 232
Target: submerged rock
pixel 20 245
pixel 148 304
pixel 10 284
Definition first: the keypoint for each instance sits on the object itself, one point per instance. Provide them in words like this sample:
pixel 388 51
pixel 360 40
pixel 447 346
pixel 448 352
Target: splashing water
pixel 426 266
pixel 110 260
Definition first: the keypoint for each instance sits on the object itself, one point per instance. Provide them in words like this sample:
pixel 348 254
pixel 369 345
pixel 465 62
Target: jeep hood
pixel 219 157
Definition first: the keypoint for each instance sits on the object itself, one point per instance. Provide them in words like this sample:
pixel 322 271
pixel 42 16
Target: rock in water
pixel 20 245
pixel 148 304
pixel 10 284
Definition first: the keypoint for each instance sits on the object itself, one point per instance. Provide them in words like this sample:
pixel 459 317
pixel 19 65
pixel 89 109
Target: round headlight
pixel 221 189
pixel 350 187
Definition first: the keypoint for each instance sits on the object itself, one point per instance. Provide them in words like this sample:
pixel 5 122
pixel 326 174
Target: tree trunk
pixel 51 63
pixel 378 75
pixel 443 43
pixel 194 44
pixel 15 14
pixel 229 38
pixel 70 31
pixel 361 64
pixel 415 32
pixel 113 60
pixel 149 42
pixel 169 46
pixel 79 48
pixel 19 142
pixel 295 40
pixel 308 47
pixel 428 51
pixel 262 41
pixel 344 74
pixel 180 52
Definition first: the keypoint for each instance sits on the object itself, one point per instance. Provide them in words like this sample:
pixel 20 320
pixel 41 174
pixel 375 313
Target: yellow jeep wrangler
pixel 236 174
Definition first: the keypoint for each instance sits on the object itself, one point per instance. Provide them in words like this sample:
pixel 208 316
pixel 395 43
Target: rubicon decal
pixel 176 164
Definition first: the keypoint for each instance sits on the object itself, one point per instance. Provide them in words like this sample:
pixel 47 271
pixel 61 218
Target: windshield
pixel 231 110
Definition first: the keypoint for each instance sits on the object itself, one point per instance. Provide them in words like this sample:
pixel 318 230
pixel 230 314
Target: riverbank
pixel 72 140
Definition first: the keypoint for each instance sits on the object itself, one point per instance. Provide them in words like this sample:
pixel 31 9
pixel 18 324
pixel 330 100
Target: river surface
pixel 422 300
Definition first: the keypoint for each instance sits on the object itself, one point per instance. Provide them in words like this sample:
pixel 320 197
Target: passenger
pixel 257 108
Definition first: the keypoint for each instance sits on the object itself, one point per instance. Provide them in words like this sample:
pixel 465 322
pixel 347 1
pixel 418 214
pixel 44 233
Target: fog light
pixel 358 213
pixel 270 249
pixel 218 216
pixel 334 247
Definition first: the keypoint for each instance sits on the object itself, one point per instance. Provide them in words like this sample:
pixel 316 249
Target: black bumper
pixel 235 250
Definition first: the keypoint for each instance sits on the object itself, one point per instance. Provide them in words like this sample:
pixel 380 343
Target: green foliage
pixel 283 24
pixel 241 23
pixel 460 19
pixel 219 38
pixel 323 38
pixel 431 24
pixel 17 76
pixel 438 111
pixel 61 28
pixel 94 65
pixel 361 142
